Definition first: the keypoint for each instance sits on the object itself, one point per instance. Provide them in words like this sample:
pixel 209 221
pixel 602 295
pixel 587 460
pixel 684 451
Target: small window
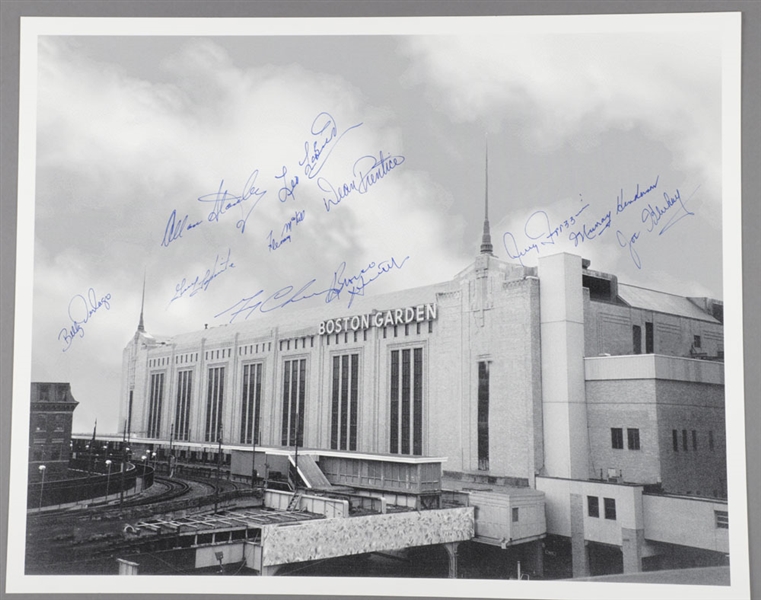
pixel 633 438
pixel 610 508
pixel 696 341
pixel 722 519
pixel 515 515
pixel 593 506
pixel 637 339
pixel 675 439
pixel 694 440
pixel 617 438
pixel 684 440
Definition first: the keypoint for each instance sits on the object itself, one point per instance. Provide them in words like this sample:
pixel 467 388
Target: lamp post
pixel 219 467
pixel 170 460
pixel 108 477
pixel 153 456
pixel 125 454
pixel 42 469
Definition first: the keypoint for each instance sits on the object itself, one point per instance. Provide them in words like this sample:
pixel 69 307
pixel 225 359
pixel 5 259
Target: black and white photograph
pixel 435 306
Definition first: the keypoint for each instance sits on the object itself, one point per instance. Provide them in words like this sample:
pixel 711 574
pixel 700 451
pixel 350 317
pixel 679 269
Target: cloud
pixel 556 89
pixel 117 154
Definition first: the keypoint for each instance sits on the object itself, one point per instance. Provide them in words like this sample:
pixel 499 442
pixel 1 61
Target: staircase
pixel 294 503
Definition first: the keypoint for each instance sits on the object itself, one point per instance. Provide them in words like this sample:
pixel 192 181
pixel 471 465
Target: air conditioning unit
pixel 615 475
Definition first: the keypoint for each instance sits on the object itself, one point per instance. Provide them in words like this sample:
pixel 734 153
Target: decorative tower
pixel 141 325
pixel 486 245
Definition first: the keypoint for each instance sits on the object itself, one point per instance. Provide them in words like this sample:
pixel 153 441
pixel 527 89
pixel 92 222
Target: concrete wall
pixel 690 406
pixel 558 494
pixel 658 394
pixel 494 319
pixel 330 507
pixel 494 516
pixel 566 445
pixel 685 521
pixel 206 555
pixel 608 330
pixel 625 404
pixel 329 538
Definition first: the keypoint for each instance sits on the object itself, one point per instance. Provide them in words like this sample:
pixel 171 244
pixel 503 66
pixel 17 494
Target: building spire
pixel 141 325
pixel 486 245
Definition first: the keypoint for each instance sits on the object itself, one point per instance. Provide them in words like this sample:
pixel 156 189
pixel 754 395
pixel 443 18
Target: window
pixel 684 440
pixel 294 393
pixel 649 339
pixel 182 411
pixel 250 404
pixel 406 414
pixel 483 416
pixel 617 438
pixel 633 438
pixel 722 519
pixel 675 439
pixel 696 341
pixel 515 514
pixel 154 408
pixel 694 440
pixel 214 395
pixel 345 401
pixel 593 506
pixel 610 508
pixel 41 423
pixel 710 440
pixel 637 339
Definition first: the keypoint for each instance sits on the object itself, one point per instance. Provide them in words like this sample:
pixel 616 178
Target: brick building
pixel 51 413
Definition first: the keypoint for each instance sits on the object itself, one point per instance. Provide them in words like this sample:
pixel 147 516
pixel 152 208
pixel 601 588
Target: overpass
pixel 292 528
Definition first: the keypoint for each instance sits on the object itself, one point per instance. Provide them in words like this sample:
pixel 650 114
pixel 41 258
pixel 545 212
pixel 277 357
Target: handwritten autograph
pixel 202 282
pixel 352 286
pixel 323 140
pixel 224 200
pixel 367 170
pixel 538 227
pixel 80 311
pixel 674 208
pixel 285 233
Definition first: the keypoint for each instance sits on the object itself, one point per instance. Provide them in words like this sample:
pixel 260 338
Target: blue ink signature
pixel 367 170
pixel 223 200
pixel 80 310
pixel 324 137
pixel 621 204
pixel 174 230
pixel 286 191
pixel 651 218
pixel 202 283
pixel 285 233
pixel 353 286
pixel 591 232
pixel 629 243
pixel 538 227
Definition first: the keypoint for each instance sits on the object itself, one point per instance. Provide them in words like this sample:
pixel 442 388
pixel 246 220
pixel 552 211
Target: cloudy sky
pixel 594 140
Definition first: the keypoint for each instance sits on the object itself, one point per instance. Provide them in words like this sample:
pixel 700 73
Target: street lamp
pixel 108 478
pixel 42 485
pixel 153 456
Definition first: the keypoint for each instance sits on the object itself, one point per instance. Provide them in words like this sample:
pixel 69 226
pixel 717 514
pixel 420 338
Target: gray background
pixel 11 11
